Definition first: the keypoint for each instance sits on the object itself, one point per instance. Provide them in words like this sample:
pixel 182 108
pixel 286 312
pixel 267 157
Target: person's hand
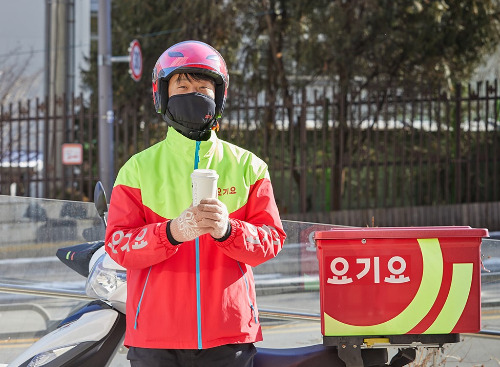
pixel 187 226
pixel 213 214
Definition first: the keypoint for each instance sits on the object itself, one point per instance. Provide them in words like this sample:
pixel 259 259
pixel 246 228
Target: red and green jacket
pixel 194 295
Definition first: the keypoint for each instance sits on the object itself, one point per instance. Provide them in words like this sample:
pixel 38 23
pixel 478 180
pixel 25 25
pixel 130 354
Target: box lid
pixel 401 232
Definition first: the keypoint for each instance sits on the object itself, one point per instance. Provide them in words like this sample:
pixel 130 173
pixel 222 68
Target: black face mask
pixel 195 111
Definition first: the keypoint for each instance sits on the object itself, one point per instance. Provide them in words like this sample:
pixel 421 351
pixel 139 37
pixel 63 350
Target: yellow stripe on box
pixel 455 302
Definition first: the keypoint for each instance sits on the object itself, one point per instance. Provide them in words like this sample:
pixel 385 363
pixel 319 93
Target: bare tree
pixel 16 78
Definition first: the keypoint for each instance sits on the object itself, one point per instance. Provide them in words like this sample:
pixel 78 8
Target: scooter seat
pixel 318 355
pixel 310 356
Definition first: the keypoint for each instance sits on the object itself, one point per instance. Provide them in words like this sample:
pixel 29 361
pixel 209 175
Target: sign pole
pixel 106 114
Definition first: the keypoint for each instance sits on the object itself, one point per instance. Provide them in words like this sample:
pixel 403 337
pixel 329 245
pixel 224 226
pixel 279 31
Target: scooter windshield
pixel 37 289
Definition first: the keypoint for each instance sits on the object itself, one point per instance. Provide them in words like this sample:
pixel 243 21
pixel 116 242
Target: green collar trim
pixel 186 147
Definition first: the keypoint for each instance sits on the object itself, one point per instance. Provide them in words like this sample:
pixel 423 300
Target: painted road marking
pixel 17 343
pixel 29 260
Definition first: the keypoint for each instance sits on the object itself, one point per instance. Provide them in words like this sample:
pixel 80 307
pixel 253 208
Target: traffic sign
pixel 135 61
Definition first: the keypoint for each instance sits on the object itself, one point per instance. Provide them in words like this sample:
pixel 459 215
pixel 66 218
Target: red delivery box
pixel 400 280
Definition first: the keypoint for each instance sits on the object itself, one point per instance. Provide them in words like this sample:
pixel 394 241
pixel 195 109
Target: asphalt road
pixel 21 326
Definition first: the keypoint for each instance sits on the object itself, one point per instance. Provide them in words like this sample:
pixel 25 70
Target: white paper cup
pixel 204 184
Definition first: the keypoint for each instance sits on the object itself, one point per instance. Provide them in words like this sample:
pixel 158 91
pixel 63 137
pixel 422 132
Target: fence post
pixel 458 155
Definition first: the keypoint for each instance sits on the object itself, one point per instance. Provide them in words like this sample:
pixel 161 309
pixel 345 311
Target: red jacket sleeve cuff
pixel 230 239
pixel 164 239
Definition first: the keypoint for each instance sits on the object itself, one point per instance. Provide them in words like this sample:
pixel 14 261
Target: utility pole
pixel 56 66
pixel 106 114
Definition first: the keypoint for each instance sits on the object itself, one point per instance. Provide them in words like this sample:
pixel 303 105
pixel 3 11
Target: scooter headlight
pixel 41 359
pixel 103 281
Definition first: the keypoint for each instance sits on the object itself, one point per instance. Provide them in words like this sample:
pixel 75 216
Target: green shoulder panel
pixel 127 175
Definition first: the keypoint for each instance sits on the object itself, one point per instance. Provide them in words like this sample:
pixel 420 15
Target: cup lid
pixel 203 172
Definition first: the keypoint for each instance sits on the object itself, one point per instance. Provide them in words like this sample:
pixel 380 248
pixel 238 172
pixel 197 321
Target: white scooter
pixel 91 335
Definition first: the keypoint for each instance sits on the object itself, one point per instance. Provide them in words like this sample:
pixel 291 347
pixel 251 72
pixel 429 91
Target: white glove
pixel 186 227
pixel 214 215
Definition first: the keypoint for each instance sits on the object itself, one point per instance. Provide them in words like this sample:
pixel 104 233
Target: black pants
pixel 231 355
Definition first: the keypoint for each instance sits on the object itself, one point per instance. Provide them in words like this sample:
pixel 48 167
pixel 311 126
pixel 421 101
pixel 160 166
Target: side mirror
pixel 100 202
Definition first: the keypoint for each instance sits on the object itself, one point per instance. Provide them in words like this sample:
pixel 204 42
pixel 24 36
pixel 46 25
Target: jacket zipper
pixel 248 293
pixel 197 247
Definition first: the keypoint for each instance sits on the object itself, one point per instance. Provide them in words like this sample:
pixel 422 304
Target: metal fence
pixel 325 152
pixel 32 134
pixel 375 150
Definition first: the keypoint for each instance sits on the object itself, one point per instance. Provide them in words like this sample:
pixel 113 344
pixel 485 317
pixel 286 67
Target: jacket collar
pixel 186 147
